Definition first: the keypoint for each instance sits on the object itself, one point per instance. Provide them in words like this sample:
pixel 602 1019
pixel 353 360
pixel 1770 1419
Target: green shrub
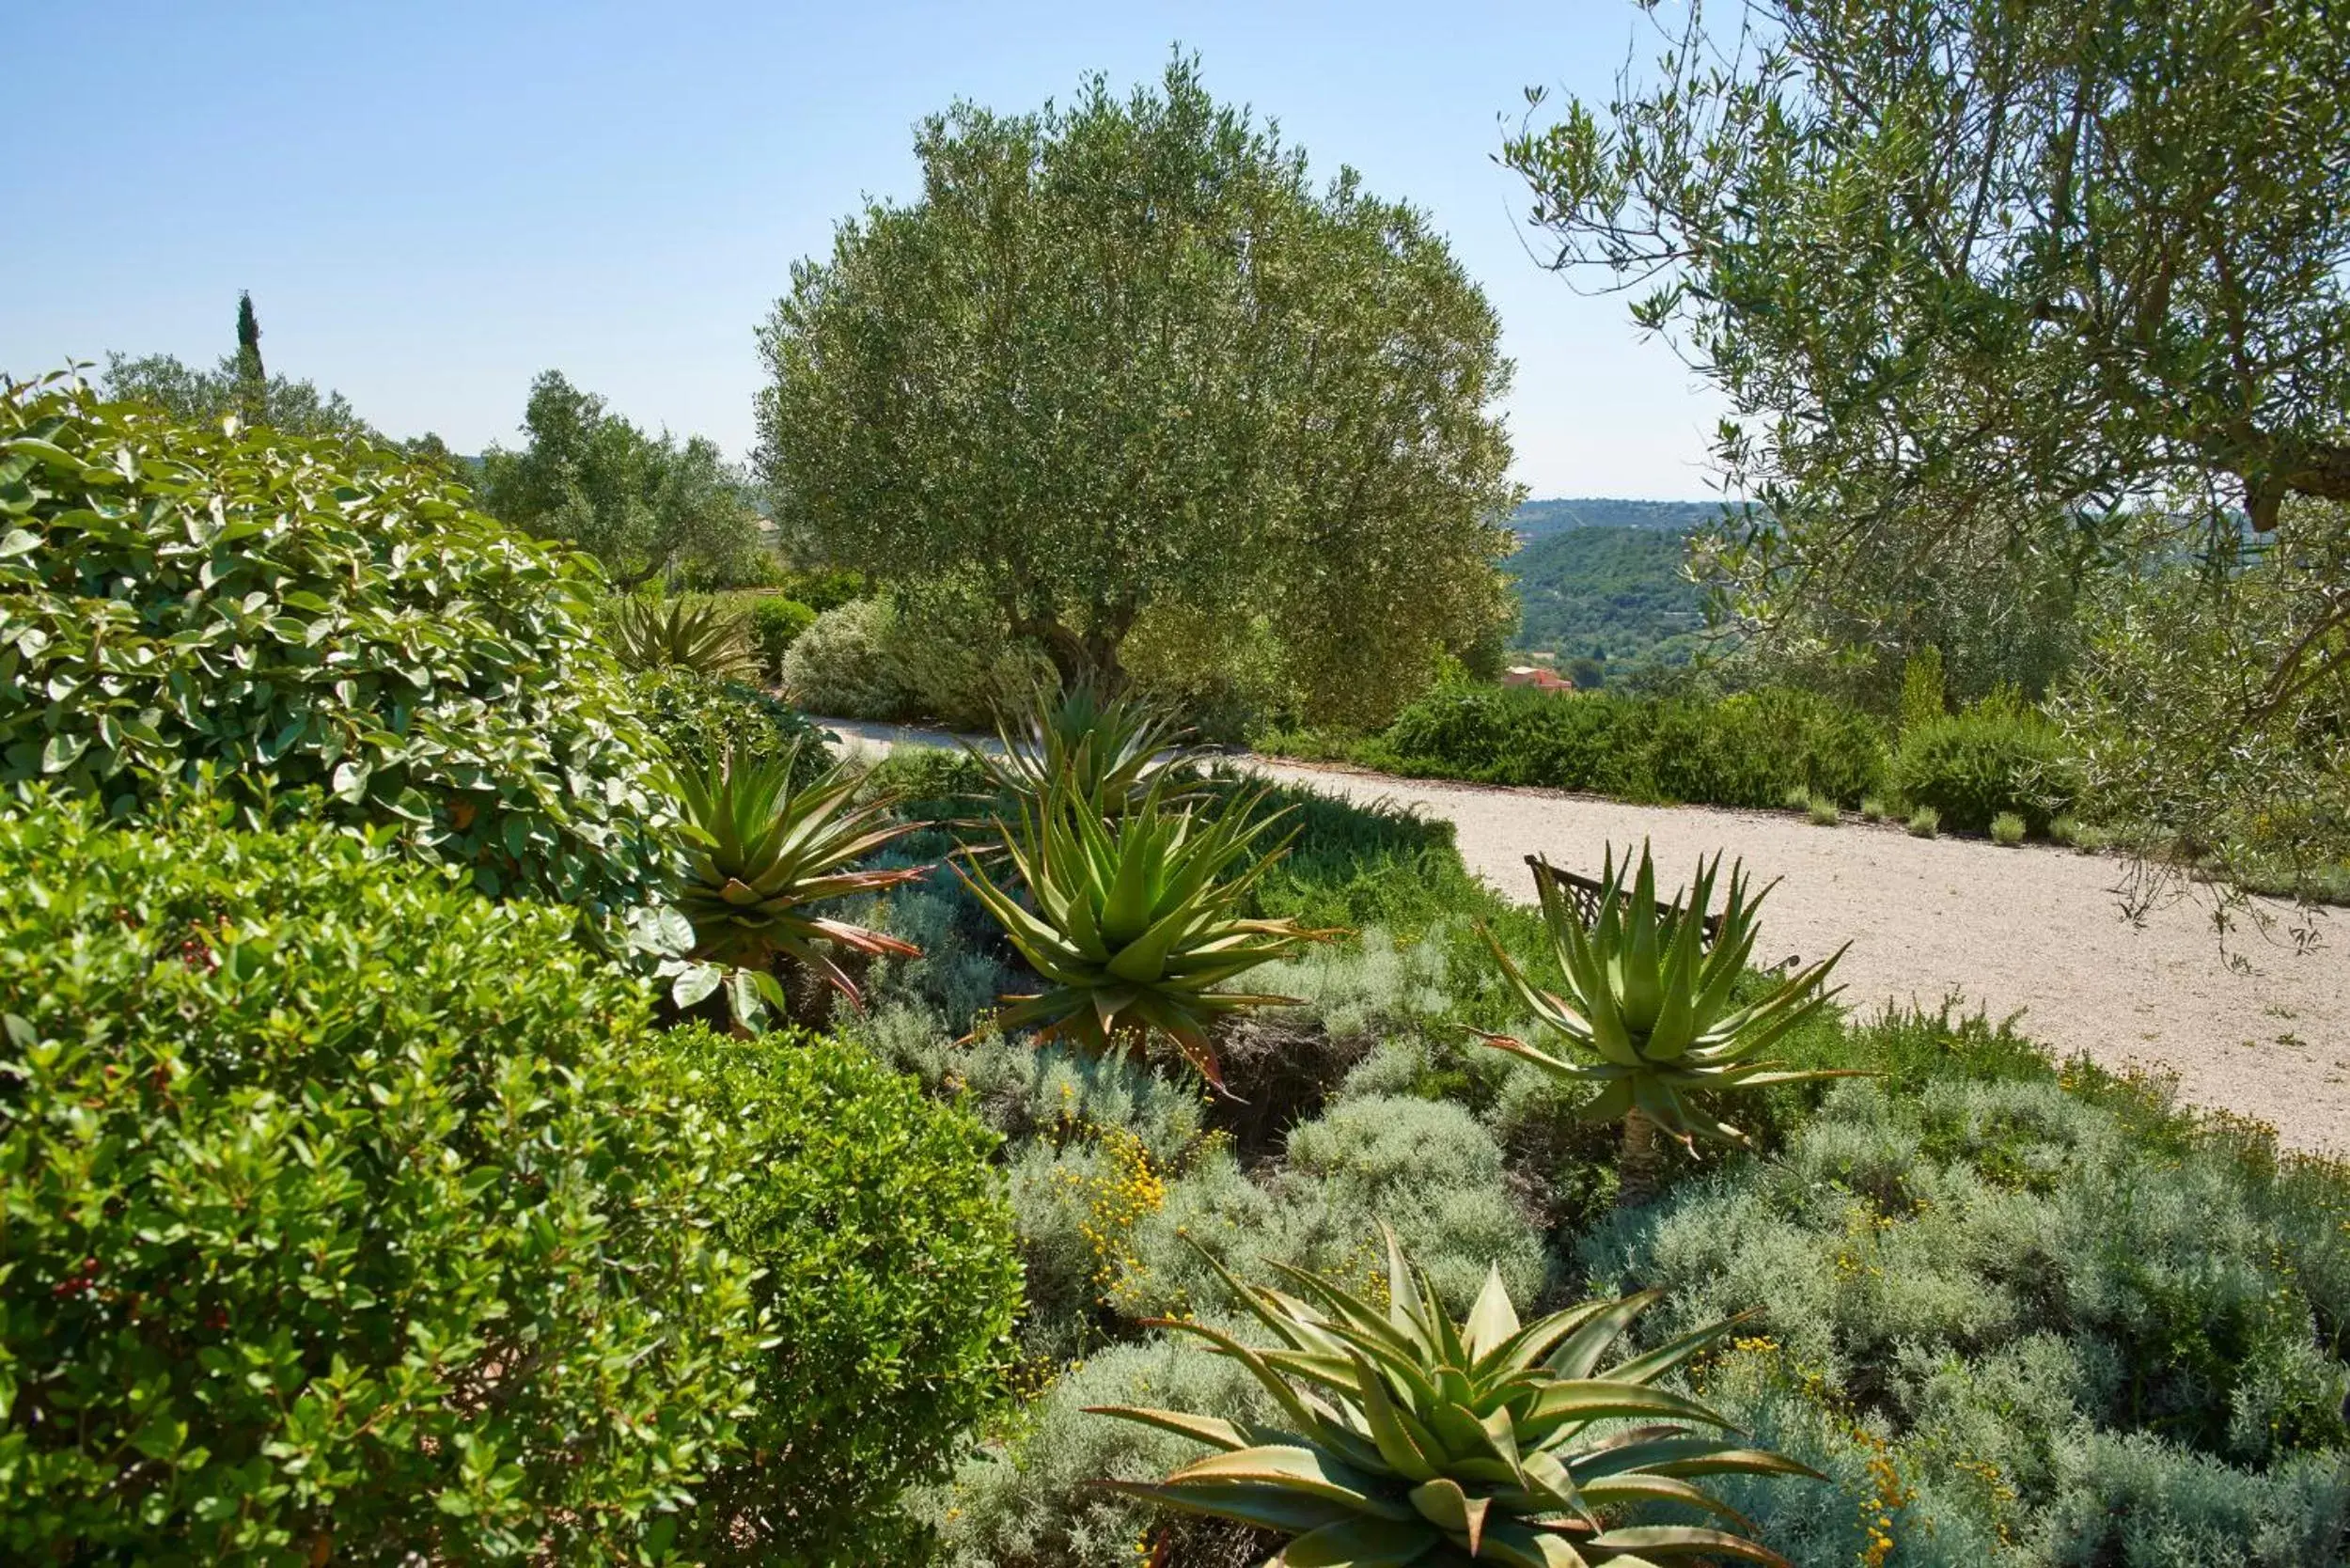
pixel 889 1276
pixel 1871 809
pixel 777 623
pixel 1823 811
pixel 701 720
pixel 345 1212
pixel 823 588
pixel 1923 698
pixel 1997 756
pixel 330 626
pixel 2007 828
pixel 1752 749
pixel 1924 822
pixel 874 659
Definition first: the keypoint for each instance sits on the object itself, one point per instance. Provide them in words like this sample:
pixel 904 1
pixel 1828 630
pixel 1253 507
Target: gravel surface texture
pixel 2246 1021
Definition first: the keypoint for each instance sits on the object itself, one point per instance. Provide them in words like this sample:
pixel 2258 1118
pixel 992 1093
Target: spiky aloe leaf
pixel 1400 1445
pixel 1648 1012
pixel 700 635
pixel 1134 924
pixel 1112 747
pixel 761 851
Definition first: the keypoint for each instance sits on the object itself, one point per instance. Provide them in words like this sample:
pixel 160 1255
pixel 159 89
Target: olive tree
pixel 1988 285
pixel 1123 359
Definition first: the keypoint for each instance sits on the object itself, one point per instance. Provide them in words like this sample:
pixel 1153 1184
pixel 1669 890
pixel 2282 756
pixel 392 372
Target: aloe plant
pixel 1132 923
pixel 760 851
pixel 1114 747
pixel 1650 1009
pixel 700 635
pixel 1406 1438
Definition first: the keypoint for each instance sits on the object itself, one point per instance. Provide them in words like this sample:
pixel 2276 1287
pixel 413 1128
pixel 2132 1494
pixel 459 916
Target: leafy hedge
pixel 341 1212
pixel 1994 757
pixel 330 626
pixel 1747 750
pixel 890 1278
pixel 701 718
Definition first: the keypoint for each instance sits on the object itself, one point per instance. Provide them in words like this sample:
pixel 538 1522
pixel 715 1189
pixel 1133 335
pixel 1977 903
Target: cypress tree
pixel 252 380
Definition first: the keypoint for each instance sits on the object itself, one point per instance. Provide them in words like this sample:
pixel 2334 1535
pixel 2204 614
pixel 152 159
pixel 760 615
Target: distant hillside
pixel 1615 594
pixel 1541 518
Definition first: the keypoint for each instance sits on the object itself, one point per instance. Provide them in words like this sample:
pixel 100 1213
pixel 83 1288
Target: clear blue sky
pixel 432 202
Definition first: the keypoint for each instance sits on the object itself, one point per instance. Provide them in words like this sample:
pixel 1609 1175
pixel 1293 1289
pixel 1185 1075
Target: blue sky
pixel 433 203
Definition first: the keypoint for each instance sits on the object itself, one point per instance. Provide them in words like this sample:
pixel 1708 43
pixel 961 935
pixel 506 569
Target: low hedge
pixel 1746 750
pixel 700 719
pixel 344 1214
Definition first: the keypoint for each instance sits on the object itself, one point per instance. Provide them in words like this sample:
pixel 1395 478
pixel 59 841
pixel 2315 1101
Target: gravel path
pixel 2036 930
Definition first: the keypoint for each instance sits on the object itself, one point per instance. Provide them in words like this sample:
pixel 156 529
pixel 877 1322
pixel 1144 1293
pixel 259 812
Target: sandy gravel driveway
pixel 2033 930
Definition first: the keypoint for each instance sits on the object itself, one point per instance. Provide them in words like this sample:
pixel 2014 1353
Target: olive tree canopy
pixel 1123 359
pixel 1980 277
pixel 2014 305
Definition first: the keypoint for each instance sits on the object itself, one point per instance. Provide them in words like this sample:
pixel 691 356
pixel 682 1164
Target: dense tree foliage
pixel 641 504
pixel 206 396
pixel 1122 357
pixel 1983 285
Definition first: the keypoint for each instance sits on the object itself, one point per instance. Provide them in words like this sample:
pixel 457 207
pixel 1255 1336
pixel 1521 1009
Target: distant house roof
pixel 1539 677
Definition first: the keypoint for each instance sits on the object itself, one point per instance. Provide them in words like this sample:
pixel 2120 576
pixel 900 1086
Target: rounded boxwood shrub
pixel 1995 757
pixel 329 626
pixel 344 1215
pixel 889 1275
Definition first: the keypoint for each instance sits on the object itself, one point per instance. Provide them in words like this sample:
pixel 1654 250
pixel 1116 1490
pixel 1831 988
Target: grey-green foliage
pixel 1425 1167
pixel 880 659
pixel 1351 988
pixel 1025 1504
pixel 1998 1273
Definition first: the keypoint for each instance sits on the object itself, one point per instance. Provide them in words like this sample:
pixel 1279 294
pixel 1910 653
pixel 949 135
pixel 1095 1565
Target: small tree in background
pixel 641 504
pixel 1991 291
pixel 237 384
pixel 252 382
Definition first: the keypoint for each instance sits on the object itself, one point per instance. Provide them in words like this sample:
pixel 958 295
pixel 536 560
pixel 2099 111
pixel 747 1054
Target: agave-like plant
pixel 1114 747
pixel 1132 922
pixel 1406 1438
pixel 1649 1009
pixel 700 635
pixel 760 851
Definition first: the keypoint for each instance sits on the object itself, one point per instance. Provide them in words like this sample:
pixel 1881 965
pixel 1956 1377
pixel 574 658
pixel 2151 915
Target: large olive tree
pixel 1989 286
pixel 1121 359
